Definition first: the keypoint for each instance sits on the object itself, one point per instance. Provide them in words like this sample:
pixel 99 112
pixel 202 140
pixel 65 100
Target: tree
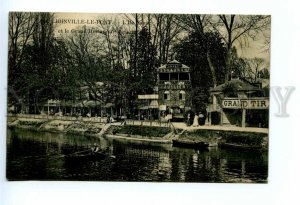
pixel 33 56
pixel 250 69
pixel 166 30
pixel 142 79
pixel 21 28
pixel 193 52
pixel 199 26
pixel 238 29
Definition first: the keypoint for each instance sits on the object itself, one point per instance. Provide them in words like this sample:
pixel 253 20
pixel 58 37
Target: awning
pixel 53 103
pixel 148 97
pixel 144 108
pixel 108 105
pixel 163 107
pixel 153 104
pixel 91 103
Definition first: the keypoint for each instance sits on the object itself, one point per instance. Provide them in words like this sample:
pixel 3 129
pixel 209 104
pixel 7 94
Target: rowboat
pixel 190 144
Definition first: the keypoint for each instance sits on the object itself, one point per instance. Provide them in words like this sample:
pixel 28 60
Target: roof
pixel 265 83
pixel 182 66
pixel 87 103
pixel 239 85
pixel 174 62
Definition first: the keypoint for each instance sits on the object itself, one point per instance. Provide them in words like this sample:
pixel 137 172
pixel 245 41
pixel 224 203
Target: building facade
pixel 174 89
pixel 240 103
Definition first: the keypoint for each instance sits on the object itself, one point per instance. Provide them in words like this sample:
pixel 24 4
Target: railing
pixel 154 123
pixel 172 86
pixel 66 118
pixel 147 123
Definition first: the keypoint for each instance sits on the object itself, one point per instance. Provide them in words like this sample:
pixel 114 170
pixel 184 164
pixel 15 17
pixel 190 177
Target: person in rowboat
pixel 95 148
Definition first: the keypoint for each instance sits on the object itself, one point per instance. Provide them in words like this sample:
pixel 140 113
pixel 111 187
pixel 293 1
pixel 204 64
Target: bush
pixel 142 130
pixel 31 123
pixel 243 138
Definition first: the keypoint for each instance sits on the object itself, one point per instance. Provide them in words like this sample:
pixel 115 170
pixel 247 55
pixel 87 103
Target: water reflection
pixel 41 156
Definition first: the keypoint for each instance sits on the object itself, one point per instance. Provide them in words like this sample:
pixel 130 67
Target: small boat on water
pixel 190 144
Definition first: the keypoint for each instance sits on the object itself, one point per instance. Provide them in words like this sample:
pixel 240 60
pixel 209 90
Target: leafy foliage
pixel 193 52
pixel 143 130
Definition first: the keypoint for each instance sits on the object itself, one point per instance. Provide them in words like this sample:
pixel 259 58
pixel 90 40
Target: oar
pixel 81 151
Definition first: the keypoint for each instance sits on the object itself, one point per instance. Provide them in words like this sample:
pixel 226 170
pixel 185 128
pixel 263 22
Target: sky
pixel 69 21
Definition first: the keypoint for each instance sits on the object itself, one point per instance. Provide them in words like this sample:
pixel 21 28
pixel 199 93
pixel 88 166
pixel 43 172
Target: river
pixel 41 156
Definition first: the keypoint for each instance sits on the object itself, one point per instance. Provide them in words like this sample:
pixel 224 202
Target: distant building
pixel 82 104
pixel 240 103
pixel 171 94
pixel 174 89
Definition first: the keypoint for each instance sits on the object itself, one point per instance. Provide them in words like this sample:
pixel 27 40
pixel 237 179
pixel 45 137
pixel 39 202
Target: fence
pixel 66 118
pixel 95 119
pixel 147 123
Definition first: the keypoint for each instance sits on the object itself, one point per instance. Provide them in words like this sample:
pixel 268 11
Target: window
pixel 174 76
pixel 184 76
pixel 182 95
pixel 164 76
pixel 166 95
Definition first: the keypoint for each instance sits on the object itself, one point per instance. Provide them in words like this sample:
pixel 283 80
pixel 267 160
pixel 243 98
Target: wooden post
pixel 221 117
pixel 48 107
pixel 244 118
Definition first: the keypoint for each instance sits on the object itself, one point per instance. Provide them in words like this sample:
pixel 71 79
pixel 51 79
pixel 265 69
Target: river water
pixel 41 156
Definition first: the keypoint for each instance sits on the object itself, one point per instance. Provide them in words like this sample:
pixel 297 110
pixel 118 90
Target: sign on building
pixel 148 97
pixel 250 103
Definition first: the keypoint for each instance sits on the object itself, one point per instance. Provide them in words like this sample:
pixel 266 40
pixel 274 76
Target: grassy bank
pixel 71 127
pixel 146 131
pixel 213 137
pixel 242 139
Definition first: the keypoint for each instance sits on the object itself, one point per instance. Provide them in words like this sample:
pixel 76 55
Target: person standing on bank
pixel 201 119
pixel 196 123
pixel 95 148
pixel 188 118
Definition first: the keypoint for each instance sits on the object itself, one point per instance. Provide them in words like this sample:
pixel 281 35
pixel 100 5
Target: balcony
pixel 174 86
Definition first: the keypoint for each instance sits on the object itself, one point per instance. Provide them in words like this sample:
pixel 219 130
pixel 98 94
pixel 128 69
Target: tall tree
pixel 32 55
pixel 142 66
pixel 21 28
pixel 238 29
pixel 44 61
pixel 193 52
pixel 199 26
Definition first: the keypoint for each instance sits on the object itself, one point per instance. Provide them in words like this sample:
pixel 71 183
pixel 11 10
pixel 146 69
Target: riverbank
pixel 224 138
pixel 79 127
pixel 234 137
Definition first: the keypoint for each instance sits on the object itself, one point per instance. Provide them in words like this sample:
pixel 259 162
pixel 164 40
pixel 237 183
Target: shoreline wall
pixel 59 126
pixel 228 138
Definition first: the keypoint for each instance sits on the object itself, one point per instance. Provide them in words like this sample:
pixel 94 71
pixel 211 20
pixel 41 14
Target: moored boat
pixel 190 144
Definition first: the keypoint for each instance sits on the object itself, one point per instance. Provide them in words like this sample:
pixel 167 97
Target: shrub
pixel 142 130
